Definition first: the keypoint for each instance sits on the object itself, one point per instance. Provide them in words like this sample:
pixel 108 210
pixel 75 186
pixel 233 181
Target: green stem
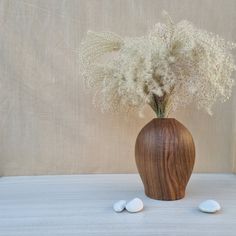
pixel 159 107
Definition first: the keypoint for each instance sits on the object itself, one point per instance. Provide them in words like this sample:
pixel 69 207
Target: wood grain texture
pixel 165 154
pixel 82 206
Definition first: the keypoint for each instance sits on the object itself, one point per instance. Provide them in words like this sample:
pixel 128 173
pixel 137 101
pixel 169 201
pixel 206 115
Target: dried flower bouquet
pixel 172 66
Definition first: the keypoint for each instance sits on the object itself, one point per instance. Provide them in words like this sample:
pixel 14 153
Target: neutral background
pixel 48 124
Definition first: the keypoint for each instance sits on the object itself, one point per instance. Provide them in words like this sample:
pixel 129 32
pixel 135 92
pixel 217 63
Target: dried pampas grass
pixel 172 66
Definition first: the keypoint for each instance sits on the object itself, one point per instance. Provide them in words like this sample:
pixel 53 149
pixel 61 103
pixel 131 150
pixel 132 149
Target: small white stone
pixel 119 206
pixel 209 206
pixel 134 205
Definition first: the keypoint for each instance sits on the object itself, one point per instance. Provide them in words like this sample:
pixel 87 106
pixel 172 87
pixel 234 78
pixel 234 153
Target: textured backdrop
pixel 48 123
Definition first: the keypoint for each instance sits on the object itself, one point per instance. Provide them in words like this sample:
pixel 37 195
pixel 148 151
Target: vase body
pixel 165 155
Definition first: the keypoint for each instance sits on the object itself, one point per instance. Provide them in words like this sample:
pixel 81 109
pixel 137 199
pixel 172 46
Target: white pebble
pixel 134 205
pixel 119 206
pixel 209 206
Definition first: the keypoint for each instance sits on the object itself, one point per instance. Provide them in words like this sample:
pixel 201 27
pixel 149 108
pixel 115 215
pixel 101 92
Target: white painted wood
pixel 82 205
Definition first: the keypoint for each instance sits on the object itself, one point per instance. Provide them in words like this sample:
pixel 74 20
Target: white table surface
pixel 81 205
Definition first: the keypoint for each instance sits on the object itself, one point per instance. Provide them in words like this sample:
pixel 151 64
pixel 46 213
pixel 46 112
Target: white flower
pixel 172 66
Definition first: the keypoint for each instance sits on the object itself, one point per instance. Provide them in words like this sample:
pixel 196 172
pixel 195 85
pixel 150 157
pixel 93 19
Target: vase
pixel 165 155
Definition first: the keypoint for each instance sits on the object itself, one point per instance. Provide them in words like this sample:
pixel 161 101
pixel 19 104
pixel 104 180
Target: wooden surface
pixel 165 155
pixel 82 206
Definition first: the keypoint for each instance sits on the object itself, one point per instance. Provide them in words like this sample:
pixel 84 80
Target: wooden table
pixel 82 205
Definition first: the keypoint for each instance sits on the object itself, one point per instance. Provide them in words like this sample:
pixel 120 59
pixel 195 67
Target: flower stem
pixel 159 107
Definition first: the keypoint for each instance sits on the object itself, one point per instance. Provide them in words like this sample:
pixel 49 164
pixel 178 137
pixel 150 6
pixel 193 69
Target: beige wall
pixel 48 124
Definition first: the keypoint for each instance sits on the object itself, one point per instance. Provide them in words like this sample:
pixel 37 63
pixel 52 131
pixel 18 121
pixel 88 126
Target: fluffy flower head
pixel 172 66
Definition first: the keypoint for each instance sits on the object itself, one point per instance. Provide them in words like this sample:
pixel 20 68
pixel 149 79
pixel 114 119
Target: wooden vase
pixel 165 154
